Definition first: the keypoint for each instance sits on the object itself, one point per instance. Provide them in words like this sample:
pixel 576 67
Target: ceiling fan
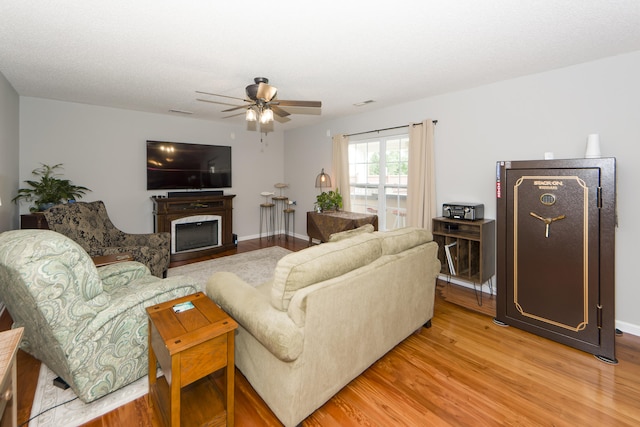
pixel 261 102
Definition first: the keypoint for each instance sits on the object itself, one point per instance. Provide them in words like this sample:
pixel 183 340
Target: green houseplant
pixel 329 200
pixel 49 190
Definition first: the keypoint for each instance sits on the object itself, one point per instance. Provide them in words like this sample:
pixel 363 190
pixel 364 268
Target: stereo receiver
pixel 468 211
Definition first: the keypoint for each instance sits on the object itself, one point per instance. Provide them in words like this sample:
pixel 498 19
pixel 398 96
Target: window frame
pixel 367 189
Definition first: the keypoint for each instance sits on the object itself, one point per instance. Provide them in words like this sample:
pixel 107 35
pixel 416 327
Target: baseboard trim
pixel 485 288
pixel 625 327
pixel 628 328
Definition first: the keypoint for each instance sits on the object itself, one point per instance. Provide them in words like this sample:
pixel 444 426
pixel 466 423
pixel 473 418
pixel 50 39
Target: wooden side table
pixel 102 260
pixel 190 344
pixel 322 225
pixel 9 342
pixel 33 220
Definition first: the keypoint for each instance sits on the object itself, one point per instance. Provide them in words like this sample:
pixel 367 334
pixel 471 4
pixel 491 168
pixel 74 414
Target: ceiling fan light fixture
pixel 266 116
pixel 251 115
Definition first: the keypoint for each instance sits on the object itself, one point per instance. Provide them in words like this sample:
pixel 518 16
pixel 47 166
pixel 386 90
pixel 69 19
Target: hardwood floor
pixel 463 371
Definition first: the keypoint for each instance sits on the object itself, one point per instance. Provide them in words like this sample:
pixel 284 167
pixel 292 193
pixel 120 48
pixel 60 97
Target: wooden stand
pixel 167 209
pixel 190 345
pixel 474 250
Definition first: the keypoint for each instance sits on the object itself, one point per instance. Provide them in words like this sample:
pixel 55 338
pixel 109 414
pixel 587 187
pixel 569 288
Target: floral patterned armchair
pixel 88 325
pixel 89 225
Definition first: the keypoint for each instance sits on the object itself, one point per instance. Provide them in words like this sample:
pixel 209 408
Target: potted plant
pixel 327 201
pixel 49 190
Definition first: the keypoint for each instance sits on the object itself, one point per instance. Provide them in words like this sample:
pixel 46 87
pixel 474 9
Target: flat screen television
pixel 180 165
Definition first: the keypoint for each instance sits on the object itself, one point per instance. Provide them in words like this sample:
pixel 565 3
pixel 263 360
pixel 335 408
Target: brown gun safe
pixel 555 273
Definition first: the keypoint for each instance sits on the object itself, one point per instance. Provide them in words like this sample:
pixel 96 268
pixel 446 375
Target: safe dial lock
pixel 547 221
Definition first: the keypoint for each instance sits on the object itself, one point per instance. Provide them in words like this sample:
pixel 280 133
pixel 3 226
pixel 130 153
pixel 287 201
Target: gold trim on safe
pixel 585 251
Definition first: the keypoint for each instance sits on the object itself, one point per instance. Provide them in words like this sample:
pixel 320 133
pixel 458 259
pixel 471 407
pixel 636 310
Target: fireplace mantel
pixel 167 209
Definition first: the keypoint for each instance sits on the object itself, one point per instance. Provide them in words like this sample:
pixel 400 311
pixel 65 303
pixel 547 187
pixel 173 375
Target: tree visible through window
pixel 378 170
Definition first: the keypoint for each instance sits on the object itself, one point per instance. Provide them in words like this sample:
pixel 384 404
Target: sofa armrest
pixel 121 274
pixel 121 238
pixel 253 311
pixel 127 311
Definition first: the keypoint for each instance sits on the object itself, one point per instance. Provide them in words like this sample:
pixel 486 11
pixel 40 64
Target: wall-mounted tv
pixel 180 165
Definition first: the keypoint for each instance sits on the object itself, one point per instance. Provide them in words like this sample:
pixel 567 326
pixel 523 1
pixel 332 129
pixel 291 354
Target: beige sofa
pixel 329 313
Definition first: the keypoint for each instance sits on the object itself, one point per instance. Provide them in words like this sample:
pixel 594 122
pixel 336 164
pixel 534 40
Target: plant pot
pixel 45 206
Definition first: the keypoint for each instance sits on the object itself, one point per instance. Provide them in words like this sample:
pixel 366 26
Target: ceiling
pixel 152 55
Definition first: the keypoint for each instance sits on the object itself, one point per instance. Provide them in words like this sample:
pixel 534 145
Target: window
pixel 379 166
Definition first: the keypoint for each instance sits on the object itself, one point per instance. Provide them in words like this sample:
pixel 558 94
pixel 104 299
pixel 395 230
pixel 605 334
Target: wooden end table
pixel 102 260
pixel 34 220
pixel 9 342
pixel 190 345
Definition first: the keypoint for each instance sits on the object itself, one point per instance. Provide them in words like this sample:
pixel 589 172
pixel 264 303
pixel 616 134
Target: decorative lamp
pixel 251 115
pixel 323 180
pixel 266 116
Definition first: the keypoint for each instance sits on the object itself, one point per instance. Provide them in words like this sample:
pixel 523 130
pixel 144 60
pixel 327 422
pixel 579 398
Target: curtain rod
pixel 435 122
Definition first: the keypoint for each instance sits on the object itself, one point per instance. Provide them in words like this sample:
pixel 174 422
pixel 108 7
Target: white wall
pixel 517 119
pixel 9 148
pixel 104 149
pixel 522 118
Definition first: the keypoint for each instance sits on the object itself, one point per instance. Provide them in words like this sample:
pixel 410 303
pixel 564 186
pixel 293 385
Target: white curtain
pixel 421 187
pixel 340 178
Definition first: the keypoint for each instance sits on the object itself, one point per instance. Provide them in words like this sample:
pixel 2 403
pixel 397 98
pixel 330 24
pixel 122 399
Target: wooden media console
pixel 169 209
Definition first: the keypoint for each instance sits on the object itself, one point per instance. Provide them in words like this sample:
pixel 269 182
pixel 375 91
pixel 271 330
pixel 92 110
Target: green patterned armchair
pixel 88 325
pixel 89 225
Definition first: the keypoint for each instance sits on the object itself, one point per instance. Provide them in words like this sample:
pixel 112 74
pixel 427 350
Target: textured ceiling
pixel 152 55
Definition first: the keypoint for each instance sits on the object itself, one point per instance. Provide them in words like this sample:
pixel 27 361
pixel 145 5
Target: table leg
pixel 231 366
pixel 175 390
pixel 152 366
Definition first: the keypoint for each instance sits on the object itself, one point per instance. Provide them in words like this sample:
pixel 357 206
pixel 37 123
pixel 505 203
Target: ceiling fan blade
pixel 290 103
pixel 214 102
pixel 266 92
pixel 235 108
pixel 281 119
pixel 223 96
pixel 233 115
pixel 279 111
pixel 263 96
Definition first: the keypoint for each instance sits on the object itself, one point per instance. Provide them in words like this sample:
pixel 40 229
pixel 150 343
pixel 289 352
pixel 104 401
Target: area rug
pixel 53 406
pixel 255 267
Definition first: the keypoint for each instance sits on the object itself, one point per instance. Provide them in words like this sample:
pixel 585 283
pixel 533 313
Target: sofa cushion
pixel 401 239
pixel 319 263
pixel 336 237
